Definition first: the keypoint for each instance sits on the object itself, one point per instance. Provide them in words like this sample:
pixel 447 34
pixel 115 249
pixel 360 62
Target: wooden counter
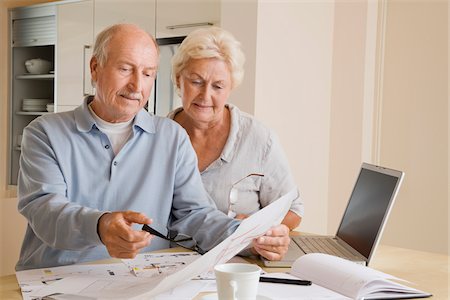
pixel 428 271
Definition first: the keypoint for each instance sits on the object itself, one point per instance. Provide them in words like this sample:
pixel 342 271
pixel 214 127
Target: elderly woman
pixel 241 162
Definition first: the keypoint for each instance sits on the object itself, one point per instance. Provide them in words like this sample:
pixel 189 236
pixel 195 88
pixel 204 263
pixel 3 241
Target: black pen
pixel 284 280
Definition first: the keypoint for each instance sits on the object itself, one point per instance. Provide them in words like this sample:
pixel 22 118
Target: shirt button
pixel 115 163
pixel 106 146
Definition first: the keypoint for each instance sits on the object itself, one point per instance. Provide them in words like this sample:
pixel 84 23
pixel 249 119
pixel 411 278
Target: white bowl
pixel 38 66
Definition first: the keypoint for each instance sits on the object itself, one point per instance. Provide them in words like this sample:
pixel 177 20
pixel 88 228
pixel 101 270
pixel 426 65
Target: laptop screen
pixel 367 208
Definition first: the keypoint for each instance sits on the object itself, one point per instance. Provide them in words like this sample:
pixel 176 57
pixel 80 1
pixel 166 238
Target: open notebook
pixel 362 223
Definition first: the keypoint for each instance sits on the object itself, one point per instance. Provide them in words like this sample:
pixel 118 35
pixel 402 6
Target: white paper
pixel 209 275
pixel 155 264
pixel 277 291
pixel 31 281
pixel 147 288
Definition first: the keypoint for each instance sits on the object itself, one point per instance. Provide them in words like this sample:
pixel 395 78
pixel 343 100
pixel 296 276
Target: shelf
pixel 36 76
pixel 32 113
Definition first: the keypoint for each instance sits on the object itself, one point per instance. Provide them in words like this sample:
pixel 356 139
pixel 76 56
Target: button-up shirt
pixel 69 176
pixel 250 148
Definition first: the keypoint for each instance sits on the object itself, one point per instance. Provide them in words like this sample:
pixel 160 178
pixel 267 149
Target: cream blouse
pixel 250 148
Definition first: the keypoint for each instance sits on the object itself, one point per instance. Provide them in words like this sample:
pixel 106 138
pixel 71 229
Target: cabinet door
pixel 139 12
pixel 179 17
pixel 73 51
pixel 33 26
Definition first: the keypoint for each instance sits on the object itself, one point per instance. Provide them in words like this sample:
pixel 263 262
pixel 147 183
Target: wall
pixel 233 15
pixel 414 121
pixel 354 88
pixel 12 226
pixel 293 93
pixel 309 88
pixel 347 112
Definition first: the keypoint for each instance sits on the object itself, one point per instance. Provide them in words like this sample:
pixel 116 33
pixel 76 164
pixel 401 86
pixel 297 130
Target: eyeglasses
pixel 179 239
pixel 234 194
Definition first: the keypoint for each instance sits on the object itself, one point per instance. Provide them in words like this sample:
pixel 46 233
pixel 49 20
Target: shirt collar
pixel 85 122
pixel 234 135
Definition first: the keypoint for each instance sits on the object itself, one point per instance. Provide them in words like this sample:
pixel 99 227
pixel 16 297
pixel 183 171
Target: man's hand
pixel 120 239
pixel 274 244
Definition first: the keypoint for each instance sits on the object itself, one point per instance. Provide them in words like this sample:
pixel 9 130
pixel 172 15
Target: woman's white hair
pixel 211 42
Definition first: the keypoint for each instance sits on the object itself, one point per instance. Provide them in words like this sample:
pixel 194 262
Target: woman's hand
pixel 274 244
pixel 241 216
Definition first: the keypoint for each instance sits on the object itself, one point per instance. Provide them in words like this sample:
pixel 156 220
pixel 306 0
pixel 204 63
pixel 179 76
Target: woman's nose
pixel 206 92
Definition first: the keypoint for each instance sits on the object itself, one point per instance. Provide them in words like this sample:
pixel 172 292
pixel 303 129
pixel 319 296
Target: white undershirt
pixel 118 133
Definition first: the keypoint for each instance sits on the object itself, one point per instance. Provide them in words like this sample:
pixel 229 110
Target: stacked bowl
pixel 36 105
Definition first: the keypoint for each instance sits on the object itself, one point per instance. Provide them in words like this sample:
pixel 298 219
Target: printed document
pixel 102 287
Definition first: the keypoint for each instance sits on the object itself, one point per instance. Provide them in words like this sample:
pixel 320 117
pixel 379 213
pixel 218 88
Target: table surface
pixel 425 270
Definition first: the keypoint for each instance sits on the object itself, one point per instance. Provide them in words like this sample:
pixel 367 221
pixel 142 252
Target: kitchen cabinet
pixel 33 35
pixel 74 49
pixel 180 17
pixel 139 12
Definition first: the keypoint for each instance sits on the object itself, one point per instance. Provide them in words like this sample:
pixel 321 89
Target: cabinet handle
pixel 85 64
pixel 179 26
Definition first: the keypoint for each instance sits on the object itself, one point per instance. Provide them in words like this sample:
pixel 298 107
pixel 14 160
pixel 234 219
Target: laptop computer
pixel 361 225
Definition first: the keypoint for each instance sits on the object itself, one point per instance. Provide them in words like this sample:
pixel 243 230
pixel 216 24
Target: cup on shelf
pixel 50 107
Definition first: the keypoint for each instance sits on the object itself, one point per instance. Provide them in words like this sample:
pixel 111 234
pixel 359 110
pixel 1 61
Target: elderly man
pixel 86 176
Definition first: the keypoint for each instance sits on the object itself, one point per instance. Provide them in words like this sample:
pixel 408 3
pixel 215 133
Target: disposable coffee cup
pixel 237 281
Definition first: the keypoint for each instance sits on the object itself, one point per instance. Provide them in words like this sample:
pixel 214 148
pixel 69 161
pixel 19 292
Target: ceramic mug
pixel 237 281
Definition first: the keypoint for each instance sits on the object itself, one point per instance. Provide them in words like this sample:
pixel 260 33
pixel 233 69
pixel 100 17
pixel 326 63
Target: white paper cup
pixel 237 281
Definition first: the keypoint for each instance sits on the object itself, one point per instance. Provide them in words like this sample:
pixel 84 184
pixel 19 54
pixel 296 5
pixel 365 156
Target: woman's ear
pixel 177 79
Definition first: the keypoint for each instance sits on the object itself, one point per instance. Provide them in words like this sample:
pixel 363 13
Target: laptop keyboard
pixel 322 245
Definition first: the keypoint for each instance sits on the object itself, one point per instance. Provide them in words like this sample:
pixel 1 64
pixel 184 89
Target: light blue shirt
pixel 69 176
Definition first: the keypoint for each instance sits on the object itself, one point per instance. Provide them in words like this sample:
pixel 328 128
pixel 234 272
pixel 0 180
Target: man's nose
pixel 135 82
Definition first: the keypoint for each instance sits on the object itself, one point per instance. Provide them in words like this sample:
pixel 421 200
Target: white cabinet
pixel 73 53
pixel 33 27
pixel 139 12
pixel 179 17
pixel 78 24
pixel 33 35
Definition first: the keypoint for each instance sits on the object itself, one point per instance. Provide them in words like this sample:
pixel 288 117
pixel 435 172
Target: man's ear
pixel 94 68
